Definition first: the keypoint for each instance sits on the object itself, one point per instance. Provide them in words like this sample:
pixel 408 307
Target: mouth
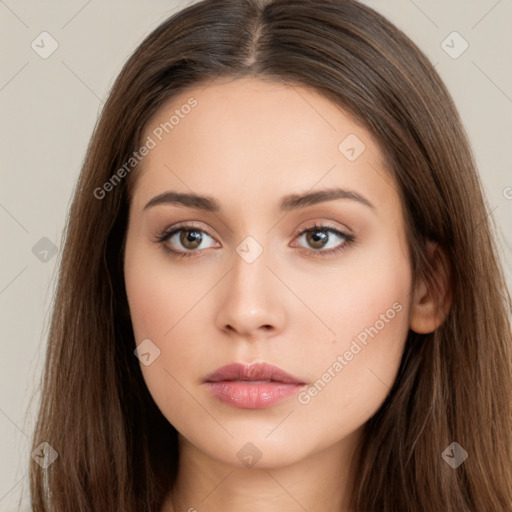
pixel 253 386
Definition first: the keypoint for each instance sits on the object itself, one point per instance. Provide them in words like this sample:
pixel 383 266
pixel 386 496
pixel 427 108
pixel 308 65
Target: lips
pixel 252 372
pixel 253 386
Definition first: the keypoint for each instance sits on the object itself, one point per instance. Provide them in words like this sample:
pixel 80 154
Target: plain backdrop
pixel 49 107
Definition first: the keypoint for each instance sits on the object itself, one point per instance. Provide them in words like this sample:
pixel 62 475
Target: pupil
pixel 318 236
pixel 191 239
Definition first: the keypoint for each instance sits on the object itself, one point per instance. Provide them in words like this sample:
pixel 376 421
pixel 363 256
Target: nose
pixel 251 301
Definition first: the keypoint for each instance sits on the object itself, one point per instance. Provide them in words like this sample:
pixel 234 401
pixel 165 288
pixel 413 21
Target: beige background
pixel 49 108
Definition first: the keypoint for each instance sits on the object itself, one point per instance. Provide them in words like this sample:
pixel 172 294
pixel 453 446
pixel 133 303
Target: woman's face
pixel 267 261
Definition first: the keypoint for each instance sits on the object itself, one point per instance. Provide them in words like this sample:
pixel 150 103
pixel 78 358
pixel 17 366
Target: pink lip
pixel 253 386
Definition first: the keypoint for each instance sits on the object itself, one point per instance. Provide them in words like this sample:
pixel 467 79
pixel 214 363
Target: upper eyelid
pixel 320 225
pixel 314 224
pixel 184 226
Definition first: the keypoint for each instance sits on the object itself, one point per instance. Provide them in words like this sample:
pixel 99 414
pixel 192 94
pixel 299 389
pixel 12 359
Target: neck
pixel 321 482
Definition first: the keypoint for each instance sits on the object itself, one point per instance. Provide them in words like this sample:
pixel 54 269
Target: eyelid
pixel 348 239
pixel 185 225
pixel 316 224
pixel 320 225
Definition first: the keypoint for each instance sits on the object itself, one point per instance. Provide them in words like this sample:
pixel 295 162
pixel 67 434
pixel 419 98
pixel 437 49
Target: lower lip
pixel 252 394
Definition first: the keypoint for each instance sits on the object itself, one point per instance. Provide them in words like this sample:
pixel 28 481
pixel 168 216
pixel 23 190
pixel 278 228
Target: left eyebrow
pixel 288 203
pixel 295 201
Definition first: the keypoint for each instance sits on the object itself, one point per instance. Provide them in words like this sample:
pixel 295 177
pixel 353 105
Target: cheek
pixel 165 303
pixel 159 294
pixel 369 311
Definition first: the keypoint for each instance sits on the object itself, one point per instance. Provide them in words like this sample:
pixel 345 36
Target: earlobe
pixel 432 300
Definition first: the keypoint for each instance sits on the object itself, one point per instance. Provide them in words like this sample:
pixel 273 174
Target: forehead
pixel 256 137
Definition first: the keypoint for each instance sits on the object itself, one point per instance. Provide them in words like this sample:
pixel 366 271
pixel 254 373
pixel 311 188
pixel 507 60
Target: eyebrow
pixel 288 203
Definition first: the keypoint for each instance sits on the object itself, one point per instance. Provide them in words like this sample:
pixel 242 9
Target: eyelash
pixel 168 233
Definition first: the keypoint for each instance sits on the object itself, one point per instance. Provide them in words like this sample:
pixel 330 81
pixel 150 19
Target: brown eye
pixel 317 238
pixel 324 240
pixel 191 239
pixel 185 241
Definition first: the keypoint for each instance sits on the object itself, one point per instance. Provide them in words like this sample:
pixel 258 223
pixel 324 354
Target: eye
pixel 184 241
pixel 325 239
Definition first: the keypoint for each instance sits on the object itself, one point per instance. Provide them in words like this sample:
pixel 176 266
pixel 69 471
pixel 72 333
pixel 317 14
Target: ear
pixel 431 301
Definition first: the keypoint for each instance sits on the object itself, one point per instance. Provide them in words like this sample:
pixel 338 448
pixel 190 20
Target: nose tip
pixel 240 329
pixel 249 323
pixel 250 304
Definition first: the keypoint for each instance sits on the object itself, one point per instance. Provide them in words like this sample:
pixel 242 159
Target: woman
pixel 279 288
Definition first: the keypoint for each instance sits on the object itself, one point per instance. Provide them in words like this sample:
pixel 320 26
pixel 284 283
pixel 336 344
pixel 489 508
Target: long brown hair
pixel 116 451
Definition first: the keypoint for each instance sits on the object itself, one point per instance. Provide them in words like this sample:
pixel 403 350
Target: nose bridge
pixel 250 272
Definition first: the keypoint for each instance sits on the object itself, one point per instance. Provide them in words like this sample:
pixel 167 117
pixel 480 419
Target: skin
pixel 247 144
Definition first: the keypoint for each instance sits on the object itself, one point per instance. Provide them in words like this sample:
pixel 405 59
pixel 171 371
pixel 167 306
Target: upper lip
pixel 252 372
